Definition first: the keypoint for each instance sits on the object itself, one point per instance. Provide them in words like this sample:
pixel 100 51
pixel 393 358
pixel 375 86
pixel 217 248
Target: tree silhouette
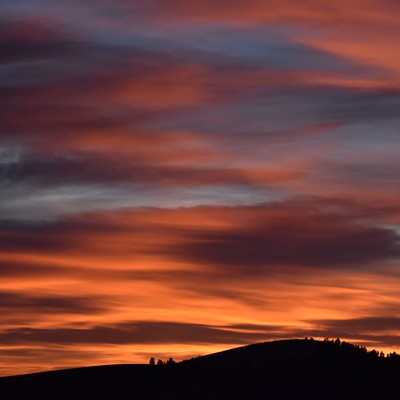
pixel 170 361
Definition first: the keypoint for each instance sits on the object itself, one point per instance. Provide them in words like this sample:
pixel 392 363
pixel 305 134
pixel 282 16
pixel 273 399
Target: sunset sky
pixel 182 177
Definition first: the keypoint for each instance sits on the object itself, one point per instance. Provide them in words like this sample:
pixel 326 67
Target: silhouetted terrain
pixel 285 369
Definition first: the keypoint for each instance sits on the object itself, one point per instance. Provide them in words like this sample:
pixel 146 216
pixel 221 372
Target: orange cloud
pixel 181 271
pixel 290 11
pixel 362 31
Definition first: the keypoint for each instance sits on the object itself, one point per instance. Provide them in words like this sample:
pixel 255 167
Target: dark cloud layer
pixel 364 325
pixel 132 333
pixel 371 331
pixel 81 168
pixel 24 270
pixel 258 238
pixel 14 303
pixel 156 332
pixel 32 41
pixel 296 239
pixel 289 244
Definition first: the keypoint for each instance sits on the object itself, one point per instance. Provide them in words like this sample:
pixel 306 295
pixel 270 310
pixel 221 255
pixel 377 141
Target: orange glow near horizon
pixel 271 301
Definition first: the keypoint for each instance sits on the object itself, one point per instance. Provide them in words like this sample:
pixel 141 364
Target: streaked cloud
pixel 20 303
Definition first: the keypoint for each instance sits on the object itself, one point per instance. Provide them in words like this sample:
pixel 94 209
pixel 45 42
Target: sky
pixel 178 178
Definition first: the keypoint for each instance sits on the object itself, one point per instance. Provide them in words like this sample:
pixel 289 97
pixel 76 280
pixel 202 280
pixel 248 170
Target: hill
pixel 273 370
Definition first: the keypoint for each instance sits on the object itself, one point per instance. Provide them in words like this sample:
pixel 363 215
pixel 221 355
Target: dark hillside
pixel 284 369
pixel 273 370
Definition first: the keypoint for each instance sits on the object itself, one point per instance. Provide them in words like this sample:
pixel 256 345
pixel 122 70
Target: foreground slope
pixel 273 370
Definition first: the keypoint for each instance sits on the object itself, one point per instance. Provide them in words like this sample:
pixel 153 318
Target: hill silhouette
pixel 284 369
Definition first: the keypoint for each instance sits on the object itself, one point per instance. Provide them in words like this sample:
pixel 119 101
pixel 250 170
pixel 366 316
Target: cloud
pixel 24 270
pixel 146 332
pixel 364 36
pixel 30 40
pixel 19 304
pixel 294 237
pixel 93 86
pixel 371 331
pixel 244 240
pixel 362 330
pixel 273 11
pixel 363 325
pixel 87 169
